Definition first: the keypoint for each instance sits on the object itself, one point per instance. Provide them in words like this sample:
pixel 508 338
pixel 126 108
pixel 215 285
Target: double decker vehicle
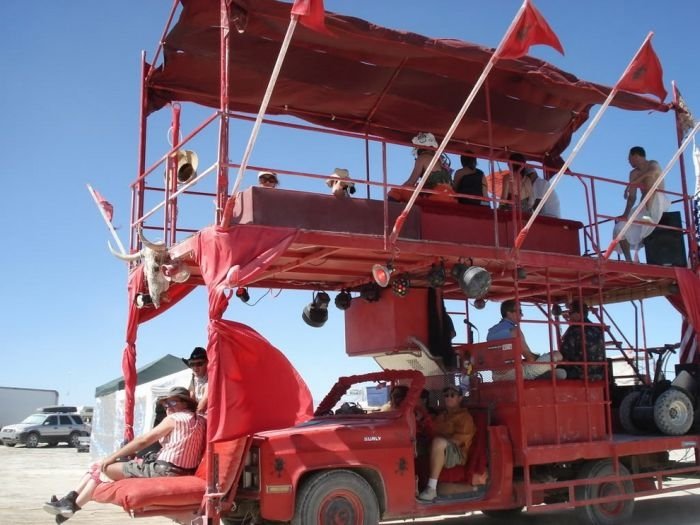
pixel 593 441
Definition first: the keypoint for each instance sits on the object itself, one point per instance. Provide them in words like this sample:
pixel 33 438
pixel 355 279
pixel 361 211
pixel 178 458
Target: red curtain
pixel 687 302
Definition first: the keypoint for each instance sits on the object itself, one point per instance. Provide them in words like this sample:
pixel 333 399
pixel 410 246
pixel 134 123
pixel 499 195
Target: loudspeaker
pixel 666 247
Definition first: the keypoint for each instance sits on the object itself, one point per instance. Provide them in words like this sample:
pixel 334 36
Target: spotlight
pixel 382 274
pixel 343 300
pixel 370 292
pixel 522 273
pixel 436 276
pixel 480 304
pixel 400 286
pixel 142 300
pixel 473 280
pixel 242 294
pixel 316 312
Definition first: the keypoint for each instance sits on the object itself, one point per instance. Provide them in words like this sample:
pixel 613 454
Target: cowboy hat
pixel 198 353
pixel 336 178
pixel 425 140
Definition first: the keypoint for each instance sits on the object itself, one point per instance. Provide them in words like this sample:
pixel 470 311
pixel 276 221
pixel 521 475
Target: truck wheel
pixel 503 514
pixel 625 411
pixel 336 496
pixel 74 439
pixel 32 440
pixel 673 413
pixel 607 513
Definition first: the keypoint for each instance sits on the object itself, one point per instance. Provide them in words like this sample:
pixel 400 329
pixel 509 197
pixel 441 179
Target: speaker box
pixel 666 247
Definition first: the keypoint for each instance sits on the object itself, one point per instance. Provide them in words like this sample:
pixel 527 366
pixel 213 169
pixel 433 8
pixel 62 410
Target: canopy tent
pixel 369 79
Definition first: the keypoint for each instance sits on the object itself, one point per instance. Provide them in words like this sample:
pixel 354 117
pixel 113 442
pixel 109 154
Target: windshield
pixel 35 419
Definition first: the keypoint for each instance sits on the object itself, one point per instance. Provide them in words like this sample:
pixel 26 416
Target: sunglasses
pixel 170 403
pixel 269 179
pixel 450 394
pixel 194 364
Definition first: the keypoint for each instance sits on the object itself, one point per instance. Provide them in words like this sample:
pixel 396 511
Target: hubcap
pixel 341 508
pixel 611 508
pixel 678 411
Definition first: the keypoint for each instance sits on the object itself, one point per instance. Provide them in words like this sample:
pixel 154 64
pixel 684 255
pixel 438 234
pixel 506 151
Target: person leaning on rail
pixel 536 366
pixel 182 435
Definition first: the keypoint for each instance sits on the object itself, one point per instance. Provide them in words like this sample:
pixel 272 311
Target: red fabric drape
pixel 687 302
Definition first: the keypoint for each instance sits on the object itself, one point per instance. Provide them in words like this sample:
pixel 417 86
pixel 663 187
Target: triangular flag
pixel 311 14
pixel 686 121
pixel 106 206
pixel 530 29
pixel 645 75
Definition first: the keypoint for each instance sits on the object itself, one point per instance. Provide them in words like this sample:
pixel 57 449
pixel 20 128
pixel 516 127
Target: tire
pixel 625 413
pixel 74 439
pixel 336 496
pixel 32 440
pixel 673 413
pixel 503 514
pixel 608 513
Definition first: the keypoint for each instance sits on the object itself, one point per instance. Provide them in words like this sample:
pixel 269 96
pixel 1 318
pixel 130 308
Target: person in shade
pixel 424 151
pixel 268 179
pixel 454 431
pixel 198 363
pixel 517 186
pixel 182 435
pixel 576 338
pixel 470 180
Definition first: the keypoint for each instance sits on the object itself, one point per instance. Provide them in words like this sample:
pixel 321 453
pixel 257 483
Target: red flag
pixel 645 74
pixel 252 385
pixel 311 14
pixel 106 206
pixel 530 29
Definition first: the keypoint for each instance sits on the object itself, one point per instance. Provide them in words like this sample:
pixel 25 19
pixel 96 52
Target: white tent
pixel 154 380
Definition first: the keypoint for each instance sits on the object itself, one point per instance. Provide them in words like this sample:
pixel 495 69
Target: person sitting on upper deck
pixel 540 186
pixel 643 175
pixel 182 435
pixel 339 187
pixel 578 337
pixel 267 179
pixel 454 431
pixel 517 186
pixel 440 177
pixel 507 328
pixel 198 363
pixel 470 180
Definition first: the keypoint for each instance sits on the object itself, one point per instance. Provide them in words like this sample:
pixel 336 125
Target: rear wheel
pixel 625 411
pixel 610 512
pixel 673 413
pixel 32 440
pixel 339 497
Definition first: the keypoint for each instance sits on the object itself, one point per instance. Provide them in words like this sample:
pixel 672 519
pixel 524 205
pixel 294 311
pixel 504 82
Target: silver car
pixel 51 428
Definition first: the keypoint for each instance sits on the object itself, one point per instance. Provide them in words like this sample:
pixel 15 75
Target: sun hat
pixel 337 176
pixel 266 175
pixel 181 393
pixel 425 140
pixel 198 354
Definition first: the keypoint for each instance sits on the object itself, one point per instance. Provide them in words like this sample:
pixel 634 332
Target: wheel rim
pixel 32 441
pixel 75 440
pixel 678 412
pixel 341 508
pixel 611 508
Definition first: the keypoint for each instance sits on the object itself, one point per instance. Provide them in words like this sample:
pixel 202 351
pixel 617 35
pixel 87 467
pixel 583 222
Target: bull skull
pixel 153 256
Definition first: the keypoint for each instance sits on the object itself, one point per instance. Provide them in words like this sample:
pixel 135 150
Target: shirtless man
pixel 643 175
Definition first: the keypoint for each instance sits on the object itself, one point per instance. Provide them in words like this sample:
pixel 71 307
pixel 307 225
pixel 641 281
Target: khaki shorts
pixel 137 468
pixel 454 455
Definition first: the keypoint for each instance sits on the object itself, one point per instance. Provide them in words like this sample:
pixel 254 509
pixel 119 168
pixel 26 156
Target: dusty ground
pixel 30 476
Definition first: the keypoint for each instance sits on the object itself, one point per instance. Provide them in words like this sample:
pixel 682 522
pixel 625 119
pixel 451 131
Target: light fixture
pixel 400 286
pixel 522 273
pixel 480 304
pixel 436 276
pixel 382 274
pixel 370 292
pixel 242 294
pixel 343 300
pixel 143 300
pixel 186 165
pixel 315 314
pixel 473 280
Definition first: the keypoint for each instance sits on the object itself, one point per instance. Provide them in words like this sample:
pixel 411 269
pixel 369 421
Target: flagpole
pixel 642 204
pixel 401 219
pixel 106 219
pixel 261 113
pixel 520 239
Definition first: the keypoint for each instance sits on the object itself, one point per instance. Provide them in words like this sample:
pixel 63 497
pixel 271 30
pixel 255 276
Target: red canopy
pixel 365 78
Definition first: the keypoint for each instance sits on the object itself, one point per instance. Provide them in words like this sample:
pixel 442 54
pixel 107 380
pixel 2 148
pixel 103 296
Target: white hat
pixel 339 173
pixel 264 174
pixel 425 139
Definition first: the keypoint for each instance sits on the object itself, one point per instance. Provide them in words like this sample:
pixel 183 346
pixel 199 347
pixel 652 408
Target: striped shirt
pixel 184 446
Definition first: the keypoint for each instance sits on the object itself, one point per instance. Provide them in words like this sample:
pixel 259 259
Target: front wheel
pixel 673 413
pixel 74 439
pixel 610 512
pixel 336 497
pixel 32 440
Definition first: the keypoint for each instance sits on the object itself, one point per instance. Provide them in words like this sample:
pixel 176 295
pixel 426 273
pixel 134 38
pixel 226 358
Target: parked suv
pixel 52 428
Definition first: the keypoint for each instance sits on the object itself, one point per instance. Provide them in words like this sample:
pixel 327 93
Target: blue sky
pixel 70 109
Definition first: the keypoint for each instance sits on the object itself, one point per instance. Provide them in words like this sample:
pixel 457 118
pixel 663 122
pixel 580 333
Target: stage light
pixel 382 274
pixel 242 294
pixel 343 300
pixel 370 292
pixel 522 273
pixel 400 286
pixel 436 276
pixel 480 304
pixel 315 314
pixel 473 280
